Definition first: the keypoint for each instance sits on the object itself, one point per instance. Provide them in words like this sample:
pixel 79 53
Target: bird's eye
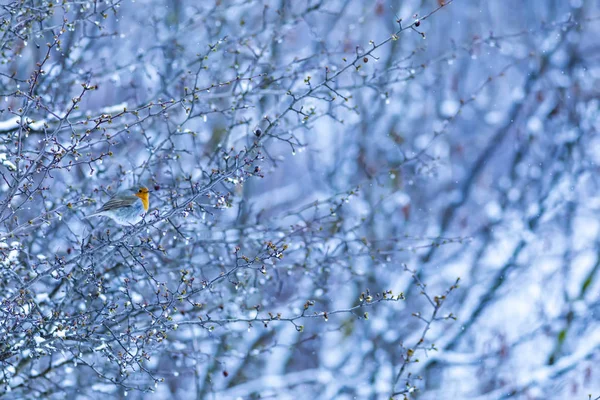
pixel 140 191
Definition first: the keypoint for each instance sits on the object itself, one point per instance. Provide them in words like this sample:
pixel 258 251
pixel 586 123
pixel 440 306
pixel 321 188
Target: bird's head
pixel 144 194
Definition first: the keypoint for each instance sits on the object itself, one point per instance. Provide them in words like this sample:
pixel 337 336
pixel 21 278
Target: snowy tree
pixel 349 199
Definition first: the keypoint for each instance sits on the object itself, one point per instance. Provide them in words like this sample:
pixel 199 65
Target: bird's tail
pixel 96 214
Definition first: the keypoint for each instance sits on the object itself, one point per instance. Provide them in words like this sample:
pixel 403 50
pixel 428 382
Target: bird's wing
pixel 118 202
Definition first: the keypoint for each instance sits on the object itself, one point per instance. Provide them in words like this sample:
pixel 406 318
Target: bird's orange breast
pixel 145 200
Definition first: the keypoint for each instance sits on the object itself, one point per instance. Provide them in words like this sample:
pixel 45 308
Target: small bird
pixel 126 208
